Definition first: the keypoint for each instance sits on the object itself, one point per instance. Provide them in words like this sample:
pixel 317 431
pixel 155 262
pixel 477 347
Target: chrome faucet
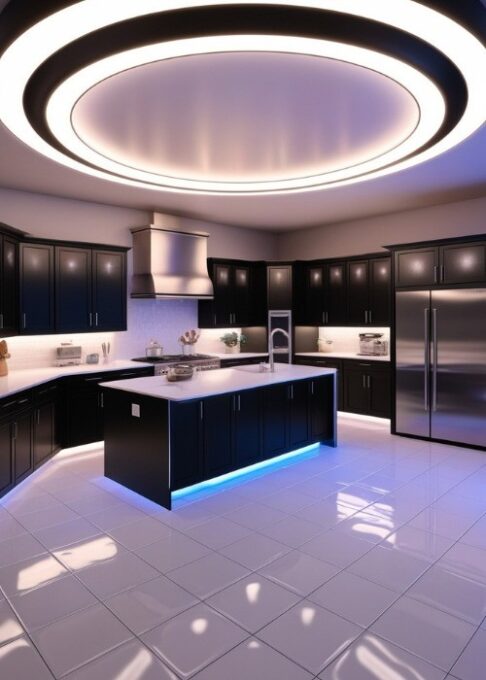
pixel 271 348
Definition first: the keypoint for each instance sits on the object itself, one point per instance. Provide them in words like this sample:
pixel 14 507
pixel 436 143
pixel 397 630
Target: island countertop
pixel 211 383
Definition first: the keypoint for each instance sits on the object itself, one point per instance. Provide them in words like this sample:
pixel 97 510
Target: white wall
pixel 370 234
pixel 59 218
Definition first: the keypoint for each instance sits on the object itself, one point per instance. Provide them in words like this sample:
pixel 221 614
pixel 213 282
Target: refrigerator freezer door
pixel 412 363
pixel 458 366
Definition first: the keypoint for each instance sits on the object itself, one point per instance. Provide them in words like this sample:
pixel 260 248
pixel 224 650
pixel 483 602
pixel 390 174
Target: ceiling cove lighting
pixel 53 52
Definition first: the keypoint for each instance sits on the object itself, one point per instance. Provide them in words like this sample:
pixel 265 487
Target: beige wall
pixel 52 217
pixel 370 234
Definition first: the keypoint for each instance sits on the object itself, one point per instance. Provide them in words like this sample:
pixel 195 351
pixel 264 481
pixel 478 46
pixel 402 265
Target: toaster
pixel 371 344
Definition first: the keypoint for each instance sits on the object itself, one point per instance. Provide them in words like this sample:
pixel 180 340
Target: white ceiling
pixel 250 116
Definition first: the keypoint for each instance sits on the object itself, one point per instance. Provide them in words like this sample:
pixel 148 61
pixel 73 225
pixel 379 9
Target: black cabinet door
pixel 186 439
pixel 36 288
pixel 315 309
pixel 379 384
pixel 379 313
pixel 358 292
pixel 9 306
pixel 44 431
pixel 356 392
pixel 336 311
pixel 22 434
pixel 84 424
pixel 275 409
pixel 327 363
pixel 279 287
pixel 217 420
pixel 418 267
pixel 73 289
pixel 321 396
pixel 464 263
pixel 109 291
pixel 247 428
pixel 223 294
pixel 298 425
pixel 6 467
pixel 241 295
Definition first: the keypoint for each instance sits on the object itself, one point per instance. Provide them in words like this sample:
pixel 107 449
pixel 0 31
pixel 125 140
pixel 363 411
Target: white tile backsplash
pixel 163 320
pixel 346 339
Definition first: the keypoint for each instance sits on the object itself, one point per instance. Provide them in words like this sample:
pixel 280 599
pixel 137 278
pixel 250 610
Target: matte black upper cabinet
pixel 279 286
pixel 9 263
pixel 37 288
pixel 237 296
pixel 449 264
pixel 369 292
pixel 325 294
pixel 73 289
pixel 87 284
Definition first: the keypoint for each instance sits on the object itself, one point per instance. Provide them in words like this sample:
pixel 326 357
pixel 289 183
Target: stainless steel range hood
pixel 170 264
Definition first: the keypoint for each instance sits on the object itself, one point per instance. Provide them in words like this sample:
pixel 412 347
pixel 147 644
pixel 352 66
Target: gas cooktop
pixel 171 358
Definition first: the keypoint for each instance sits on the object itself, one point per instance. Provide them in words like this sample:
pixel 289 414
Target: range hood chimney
pixel 168 263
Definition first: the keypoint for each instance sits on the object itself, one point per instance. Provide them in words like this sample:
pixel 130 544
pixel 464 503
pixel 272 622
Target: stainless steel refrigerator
pixel 441 364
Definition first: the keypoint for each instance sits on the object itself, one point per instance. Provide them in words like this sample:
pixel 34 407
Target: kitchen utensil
pixel 180 372
pixel 106 347
pixel 68 354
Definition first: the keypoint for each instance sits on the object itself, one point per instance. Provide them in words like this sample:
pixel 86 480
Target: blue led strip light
pixel 211 483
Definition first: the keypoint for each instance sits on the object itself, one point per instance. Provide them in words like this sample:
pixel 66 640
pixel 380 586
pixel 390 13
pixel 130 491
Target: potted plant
pixel 233 341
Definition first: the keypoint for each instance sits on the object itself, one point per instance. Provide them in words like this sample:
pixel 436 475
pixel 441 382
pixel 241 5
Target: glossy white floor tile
pixel 373 658
pixel 253 602
pixel 433 635
pixel 253 660
pixel 364 562
pixel 193 639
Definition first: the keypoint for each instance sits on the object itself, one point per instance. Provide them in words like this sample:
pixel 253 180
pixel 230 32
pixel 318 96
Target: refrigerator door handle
pixel 426 358
pixel 434 360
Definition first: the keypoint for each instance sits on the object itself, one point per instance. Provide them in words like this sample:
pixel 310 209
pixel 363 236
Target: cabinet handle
pixel 234 402
pixel 312 387
pixel 24 320
pixel 38 416
pixel 15 431
pixel 23 401
pixel 435 273
pixel 366 316
pixel 91 319
pixel 369 315
pixel 215 319
pixel 96 319
pixel 102 400
pixel 100 379
pixel 442 273
pixel 201 410
pixel 239 402
pixel 368 381
pixel 364 381
pixel 1 320
pixel 363 364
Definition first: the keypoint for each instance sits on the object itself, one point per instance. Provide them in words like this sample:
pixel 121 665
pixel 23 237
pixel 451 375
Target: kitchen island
pixel 161 436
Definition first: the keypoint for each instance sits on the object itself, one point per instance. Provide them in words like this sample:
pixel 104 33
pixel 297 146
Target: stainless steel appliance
pixel 200 362
pixel 441 364
pixel 371 344
pixel 281 343
pixel 68 355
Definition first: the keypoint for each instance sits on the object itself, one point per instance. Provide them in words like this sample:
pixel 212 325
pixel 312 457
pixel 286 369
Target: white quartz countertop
pixel 240 355
pixel 211 383
pixel 343 355
pixel 24 379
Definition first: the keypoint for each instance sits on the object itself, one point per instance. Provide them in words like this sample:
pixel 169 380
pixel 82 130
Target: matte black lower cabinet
pixel 367 388
pixel 216 414
pixel 214 435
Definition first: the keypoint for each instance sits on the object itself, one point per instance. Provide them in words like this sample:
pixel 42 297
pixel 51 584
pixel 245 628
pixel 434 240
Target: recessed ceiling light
pixel 51 57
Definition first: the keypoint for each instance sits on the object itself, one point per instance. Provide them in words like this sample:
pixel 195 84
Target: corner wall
pixel 369 235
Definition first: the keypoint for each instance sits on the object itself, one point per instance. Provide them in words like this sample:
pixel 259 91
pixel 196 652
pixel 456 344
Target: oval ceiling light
pixel 53 54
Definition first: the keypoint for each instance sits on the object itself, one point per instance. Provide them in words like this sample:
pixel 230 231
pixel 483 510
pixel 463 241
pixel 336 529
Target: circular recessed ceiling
pixel 234 118
pixel 240 97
